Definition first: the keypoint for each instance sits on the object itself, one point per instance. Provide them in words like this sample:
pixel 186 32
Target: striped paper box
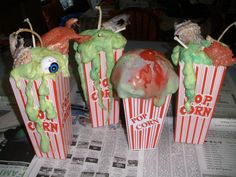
pixel 144 122
pixel 59 130
pixel 192 127
pixel 99 116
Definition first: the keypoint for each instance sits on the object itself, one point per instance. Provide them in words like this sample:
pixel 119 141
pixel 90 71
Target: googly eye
pixel 49 65
pixel 53 67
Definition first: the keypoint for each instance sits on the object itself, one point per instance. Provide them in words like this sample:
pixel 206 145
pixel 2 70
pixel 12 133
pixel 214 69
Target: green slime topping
pixel 33 71
pixel 193 54
pixel 88 51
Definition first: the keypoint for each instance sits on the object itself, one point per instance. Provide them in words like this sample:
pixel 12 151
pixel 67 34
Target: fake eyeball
pixel 49 65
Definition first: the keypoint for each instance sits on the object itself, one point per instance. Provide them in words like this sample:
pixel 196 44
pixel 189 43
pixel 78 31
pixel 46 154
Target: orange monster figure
pixel 58 38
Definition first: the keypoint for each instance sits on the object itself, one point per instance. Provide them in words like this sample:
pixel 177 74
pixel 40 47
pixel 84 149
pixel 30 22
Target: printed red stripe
pixel 152 107
pixel 22 98
pixel 114 107
pixel 189 120
pixel 148 137
pixel 58 113
pixel 108 108
pixel 195 127
pixel 130 108
pixel 63 88
pixel 126 120
pixel 213 82
pixel 59 90
pixel 86 80
pixel 140 139
pixel 115 56
pixel 66 133
pixel 181 129
pixel 37 143
pixel 199 138
pixel 96 113
pixel 156 135
pixel 197 69
pixel 132 136
pixel 204 80
pixel 57 145
pixel 141 105
pixel 103 120
pixel 162 111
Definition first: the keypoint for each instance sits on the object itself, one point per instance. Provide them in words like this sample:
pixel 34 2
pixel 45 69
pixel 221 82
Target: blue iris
pixel 53 68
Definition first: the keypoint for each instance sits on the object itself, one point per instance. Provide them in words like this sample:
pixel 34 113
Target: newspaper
pixel 104 152
pixel 13 168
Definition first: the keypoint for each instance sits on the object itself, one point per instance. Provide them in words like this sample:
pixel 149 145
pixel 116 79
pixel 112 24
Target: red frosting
pixel 146 75
pixel 148 54
pixel 219 54
pixel 151 76
pixel 161 78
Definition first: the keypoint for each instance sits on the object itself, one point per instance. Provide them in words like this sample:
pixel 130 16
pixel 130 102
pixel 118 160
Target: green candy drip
pixel 44 143
pixel 110 64
pixel 193 54
pixel 46 105
pixel 95 76
pixel 32 113
pixel 189 83
pixel 88 51
pixel 81 73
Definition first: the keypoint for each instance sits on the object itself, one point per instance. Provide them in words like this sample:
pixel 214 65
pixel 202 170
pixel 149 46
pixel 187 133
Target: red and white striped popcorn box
pixel 99 116
pixel 192 127
pixel 59 129
pixel 144 122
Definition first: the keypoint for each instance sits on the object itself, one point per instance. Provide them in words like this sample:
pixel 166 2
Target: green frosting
pixel 193 54
pixel 33 71
pixel 88 51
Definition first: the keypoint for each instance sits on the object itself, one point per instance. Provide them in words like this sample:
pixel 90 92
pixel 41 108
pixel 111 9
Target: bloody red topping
pixel 219 54
pixel 160 78
pixel 146 75
pixel 148 54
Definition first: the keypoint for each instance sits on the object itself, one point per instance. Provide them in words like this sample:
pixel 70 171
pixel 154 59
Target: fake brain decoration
pixel 33 64
pixel 144 73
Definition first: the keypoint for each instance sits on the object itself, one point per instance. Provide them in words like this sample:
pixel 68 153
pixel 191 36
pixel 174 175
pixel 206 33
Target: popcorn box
pixel 99 116
pixel 59 129
pixel 192 127
pixel 144 122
